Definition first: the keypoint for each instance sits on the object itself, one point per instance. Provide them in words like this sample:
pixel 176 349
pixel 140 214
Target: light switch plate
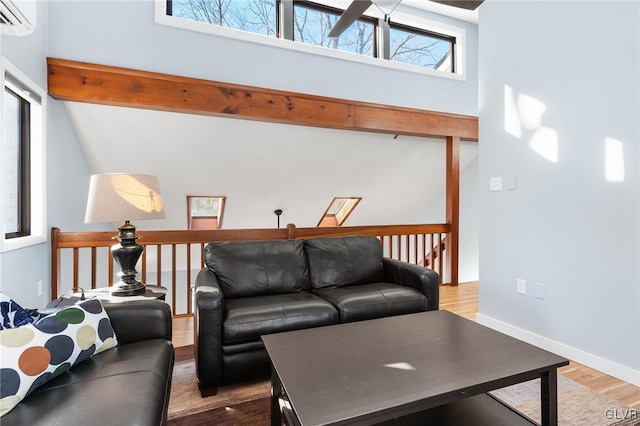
pixel 495 184
pixel 511 183
pixel 521 286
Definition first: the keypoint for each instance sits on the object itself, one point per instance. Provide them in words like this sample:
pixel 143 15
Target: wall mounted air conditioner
pixel 17 17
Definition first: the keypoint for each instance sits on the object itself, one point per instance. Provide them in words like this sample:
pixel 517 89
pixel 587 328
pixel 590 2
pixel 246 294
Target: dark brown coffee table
pixel 431 367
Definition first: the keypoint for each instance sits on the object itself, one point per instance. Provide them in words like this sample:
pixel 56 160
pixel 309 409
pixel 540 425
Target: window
pixel 312 24
pixel 205 212
pixel 408 42
pixel 338 211
pixel 255 16
pixel 22 180
pixel 422 48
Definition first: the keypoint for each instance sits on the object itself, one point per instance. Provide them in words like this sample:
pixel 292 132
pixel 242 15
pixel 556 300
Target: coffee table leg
pixel 276 392
pixel 549 397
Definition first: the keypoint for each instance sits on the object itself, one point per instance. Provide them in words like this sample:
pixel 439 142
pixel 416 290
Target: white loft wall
pixel 123 33
pixel 435 212
pixel 570 73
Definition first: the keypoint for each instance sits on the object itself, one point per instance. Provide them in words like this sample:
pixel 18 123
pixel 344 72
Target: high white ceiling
pixel 261 167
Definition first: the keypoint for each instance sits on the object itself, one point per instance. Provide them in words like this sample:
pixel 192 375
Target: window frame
pixel 33 168
pixel 399 16
pixel 24 166
pixel 427 33
pixel 326 214
pixel 334 10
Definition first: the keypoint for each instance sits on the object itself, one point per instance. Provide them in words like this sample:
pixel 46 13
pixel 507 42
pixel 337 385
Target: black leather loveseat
pixel 252 288
pixel 126 385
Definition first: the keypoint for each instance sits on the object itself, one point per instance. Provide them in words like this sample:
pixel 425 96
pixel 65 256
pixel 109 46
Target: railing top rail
pixel 106 238
pixel 376 231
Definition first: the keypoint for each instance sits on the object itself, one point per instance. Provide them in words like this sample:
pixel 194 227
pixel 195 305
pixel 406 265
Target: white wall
pixel 565 225
pixel 435 212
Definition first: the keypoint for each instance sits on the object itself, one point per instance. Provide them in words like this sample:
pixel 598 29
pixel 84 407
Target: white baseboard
pixel 590 360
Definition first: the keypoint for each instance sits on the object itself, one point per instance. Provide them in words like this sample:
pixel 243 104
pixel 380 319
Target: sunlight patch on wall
pixel 613 160
pixel 512 124
pixel 524 111
pixel 545 143
pixel 530 110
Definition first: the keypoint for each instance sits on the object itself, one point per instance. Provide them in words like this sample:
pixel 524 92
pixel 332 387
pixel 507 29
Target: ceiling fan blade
pixel 463 4
pixel 353 12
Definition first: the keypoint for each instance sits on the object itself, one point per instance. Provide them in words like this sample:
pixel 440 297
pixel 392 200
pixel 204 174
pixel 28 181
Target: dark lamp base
pixel 124 289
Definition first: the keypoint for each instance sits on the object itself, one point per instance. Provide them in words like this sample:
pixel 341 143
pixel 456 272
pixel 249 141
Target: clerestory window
pixel 423 48
pixel 309 23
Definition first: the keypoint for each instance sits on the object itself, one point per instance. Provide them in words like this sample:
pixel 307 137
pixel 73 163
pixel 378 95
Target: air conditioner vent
pixel 17 17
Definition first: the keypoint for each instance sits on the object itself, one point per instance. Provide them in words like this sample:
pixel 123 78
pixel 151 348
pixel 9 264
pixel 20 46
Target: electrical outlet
pixel 540 290
pixel 495 184
pixel 521 286
pixel 39 288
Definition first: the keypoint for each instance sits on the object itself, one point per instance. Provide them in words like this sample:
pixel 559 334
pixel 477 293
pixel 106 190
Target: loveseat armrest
pixel 209 310
pixel 139 320
pixel 422 279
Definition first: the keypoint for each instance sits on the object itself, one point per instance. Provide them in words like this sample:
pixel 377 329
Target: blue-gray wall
pixel 67 172
pixel 124 34
pixel 565 225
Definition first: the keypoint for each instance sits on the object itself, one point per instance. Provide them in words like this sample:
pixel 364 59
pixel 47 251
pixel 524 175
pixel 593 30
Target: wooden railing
pixel 172 258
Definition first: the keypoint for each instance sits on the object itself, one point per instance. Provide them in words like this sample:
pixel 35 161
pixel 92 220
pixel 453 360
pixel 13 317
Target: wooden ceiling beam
pixel 107 85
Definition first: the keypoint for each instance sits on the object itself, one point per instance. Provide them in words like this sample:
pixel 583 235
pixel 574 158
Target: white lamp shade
pixel 118 197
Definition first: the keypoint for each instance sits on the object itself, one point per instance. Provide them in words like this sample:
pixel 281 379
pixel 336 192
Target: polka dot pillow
pixel 33 354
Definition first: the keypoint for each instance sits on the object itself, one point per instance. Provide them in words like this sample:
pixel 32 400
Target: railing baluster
pixel 144 265
pixel 159 265
pixel 440 263
pixel 431 264
pixel 110 267
pixel 76 261
pixel 408 249
pixel 173 277
pixel 93 266
pixel 189 278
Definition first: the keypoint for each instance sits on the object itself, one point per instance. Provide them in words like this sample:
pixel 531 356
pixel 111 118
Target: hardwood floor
pixel 463 300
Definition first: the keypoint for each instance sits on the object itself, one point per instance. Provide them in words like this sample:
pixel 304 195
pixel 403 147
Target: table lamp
pixel 115 197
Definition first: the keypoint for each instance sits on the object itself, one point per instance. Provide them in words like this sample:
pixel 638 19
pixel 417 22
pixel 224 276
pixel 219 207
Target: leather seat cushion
pixel 368 301
pixel 124 385
pixel 248 318
pixel 343 261
pixel 256 268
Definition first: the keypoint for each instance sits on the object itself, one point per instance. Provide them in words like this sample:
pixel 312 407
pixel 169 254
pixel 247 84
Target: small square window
pixel 205 212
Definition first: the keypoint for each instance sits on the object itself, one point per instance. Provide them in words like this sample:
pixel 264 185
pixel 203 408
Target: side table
pixel 104 294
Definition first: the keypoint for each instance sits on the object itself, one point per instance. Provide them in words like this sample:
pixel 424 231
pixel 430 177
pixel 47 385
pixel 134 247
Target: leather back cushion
pixel 255 268
pixel 338 262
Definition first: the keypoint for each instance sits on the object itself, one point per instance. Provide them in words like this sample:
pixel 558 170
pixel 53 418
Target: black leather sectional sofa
pixel 252 288
pixel 126 385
